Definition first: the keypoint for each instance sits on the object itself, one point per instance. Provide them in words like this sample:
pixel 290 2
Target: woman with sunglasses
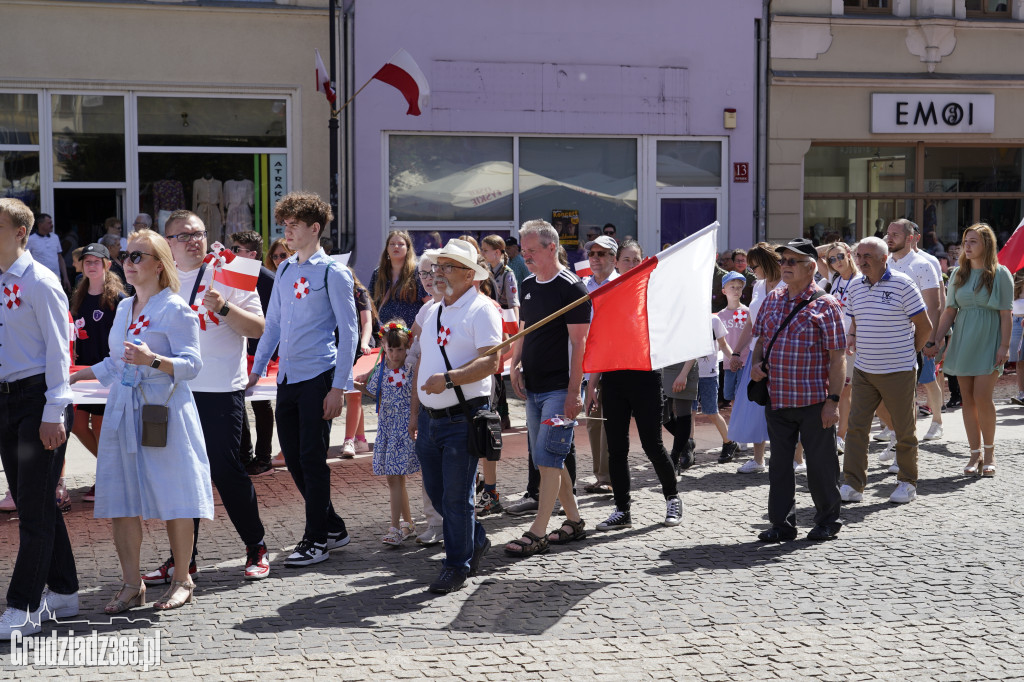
pixel 842 270
pixel 277 253
pixel 154 352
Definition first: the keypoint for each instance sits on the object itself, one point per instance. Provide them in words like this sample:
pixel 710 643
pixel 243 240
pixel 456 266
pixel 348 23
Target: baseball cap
pixel 604 242
pixel 97 250
pixel 731 276
pixel 800 245
pixel 511 241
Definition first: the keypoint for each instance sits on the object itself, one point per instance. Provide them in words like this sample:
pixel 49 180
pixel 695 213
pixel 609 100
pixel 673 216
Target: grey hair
pixel 423 259
pixel 542 229
pixel 878 244
pixel 112 242
pixel 146 218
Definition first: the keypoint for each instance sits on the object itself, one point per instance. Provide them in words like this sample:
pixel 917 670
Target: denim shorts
pixel 707 395
pixel 927 375
pixel 549 444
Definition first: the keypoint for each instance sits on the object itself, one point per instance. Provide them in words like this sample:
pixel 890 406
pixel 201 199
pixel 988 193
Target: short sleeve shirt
pixel 545 354
pixel 917 268
pixel 46 250
pixel 708 365
pixel 882 311
pixel 734 320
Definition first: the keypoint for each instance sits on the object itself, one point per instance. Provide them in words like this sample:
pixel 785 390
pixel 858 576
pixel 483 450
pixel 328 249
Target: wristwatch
pixel 156 363
pixel 225 310
pixel 930 344
pixel 448 383
pixel 833 397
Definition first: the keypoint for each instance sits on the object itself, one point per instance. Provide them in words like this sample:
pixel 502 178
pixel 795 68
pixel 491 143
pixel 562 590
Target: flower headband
pixel 392 326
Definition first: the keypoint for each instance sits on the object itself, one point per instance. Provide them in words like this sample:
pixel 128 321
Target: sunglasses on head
pixel 136 256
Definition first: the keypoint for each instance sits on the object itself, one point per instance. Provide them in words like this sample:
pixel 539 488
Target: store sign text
pixel 903 113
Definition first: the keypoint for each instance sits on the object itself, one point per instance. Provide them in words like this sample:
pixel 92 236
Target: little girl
pixel 394 453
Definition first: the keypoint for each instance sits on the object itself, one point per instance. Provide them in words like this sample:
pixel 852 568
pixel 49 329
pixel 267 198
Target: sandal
pixel 561 537
pixel 119 604
pixel 172 598
pixel 392 537
pixel 537 545
pixel 598 489
pixel 408 529
pixel 989 470
pixel 973 467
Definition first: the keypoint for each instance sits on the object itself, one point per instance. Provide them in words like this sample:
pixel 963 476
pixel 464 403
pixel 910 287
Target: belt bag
pixel 757 391
pixel 154 422
pixel 484 437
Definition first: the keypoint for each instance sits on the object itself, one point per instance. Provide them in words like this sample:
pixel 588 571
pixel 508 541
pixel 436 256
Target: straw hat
pixel 461 252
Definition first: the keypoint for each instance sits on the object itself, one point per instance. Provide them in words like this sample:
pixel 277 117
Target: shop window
pixel 978 169
pixel 450 178
pixel 867 6
pixel 19 118
pixel 435 239
pixel 988 8
pixel 212 122
pixel 19 177
pixel 689 164
pixel 859 169
pixel 579 185
pixel 88 138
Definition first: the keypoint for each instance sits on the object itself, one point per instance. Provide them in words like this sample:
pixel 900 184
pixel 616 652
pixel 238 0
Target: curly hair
pixel 305 206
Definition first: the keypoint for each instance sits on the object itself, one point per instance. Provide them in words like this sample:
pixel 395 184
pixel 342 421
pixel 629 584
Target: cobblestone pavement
pixel 931 590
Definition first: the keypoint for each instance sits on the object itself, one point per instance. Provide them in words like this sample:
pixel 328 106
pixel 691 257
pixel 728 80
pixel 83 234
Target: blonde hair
pixel 842 246
pixel 160 250
pixel 20 214
pixel 990 258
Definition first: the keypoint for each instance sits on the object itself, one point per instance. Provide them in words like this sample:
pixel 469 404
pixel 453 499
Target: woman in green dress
pixel 979 299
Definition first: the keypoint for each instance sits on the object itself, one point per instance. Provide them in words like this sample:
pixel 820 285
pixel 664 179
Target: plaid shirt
pixel 799 362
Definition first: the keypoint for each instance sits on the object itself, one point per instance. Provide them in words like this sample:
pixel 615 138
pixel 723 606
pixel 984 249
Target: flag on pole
pixel 323 80
pixel 402 72
pixel 231 270
pixel 583 269
pixel 658 313
pixel 509 323
pixel 1012 253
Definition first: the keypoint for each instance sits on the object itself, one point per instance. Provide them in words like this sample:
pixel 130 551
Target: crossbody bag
pixel 757 391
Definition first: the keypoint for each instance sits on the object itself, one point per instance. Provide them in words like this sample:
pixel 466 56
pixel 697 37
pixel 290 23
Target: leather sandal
pixel 119 604
pixel 172 597
pixel 561 537
pixel 537 545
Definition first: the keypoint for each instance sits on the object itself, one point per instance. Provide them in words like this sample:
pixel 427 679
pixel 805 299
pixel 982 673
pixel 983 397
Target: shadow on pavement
pixel 521 607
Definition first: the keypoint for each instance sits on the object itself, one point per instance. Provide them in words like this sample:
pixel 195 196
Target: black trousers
pixel 305 435
pixel 221 417
pixel 785 427
pixel 263 411
pixel 636 394
pixel 44 551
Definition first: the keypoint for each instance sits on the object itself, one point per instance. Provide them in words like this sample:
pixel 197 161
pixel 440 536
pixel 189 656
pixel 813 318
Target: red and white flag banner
pixel 231 270
pixel 583 269
pixel 1012 254
pixel 323 80
pixel 402 72
pixel 657 314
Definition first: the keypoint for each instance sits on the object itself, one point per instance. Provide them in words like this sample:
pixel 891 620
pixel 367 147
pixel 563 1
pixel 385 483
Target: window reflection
pixel 689 164
pixel 212 122
pixel 88 138
pixel 19 118
pixel 19 177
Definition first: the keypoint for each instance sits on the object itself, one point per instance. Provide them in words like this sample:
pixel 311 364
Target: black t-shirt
pixel 92 330
pixel 546 351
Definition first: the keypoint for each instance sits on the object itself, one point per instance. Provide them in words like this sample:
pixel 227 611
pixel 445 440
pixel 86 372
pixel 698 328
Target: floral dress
pixel 394 452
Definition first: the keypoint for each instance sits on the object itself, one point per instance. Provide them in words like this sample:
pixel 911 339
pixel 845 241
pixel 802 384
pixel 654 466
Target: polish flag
pixel 1012 253
pixel 402 72
pixel 230 270
pixel 583 269
pixel 658 313
pixel 323 80
pixel 509 323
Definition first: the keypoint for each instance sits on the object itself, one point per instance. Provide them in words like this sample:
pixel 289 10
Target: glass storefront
pixel 88 138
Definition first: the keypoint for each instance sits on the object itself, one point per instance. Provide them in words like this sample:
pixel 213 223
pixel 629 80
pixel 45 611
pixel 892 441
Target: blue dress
pixel 393 308
pixel 171 482
pixel 394 452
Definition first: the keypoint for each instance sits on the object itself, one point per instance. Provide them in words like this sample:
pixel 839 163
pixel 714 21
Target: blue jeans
pixel 541 406
pixel 449 476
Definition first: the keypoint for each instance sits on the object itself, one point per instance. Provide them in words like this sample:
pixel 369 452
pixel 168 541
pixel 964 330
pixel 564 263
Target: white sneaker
pixel 885 434
pixel 16 620
pixel 799 467
pixel 904 493
pixel 751 467
pixel 431 536
pixel 348 448
pixel 889 454
pixel 362 445
pixel 848 494
pixel 840 445
pixel 58 605
pixel 894 468
pixel 7 504
pixel 934 432
pixel 742 447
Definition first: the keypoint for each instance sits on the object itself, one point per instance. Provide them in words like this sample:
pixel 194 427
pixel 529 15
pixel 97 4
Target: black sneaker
pixel 307 553
pixel 954 402
pixel 337 539
pixel 258 468
pixel 686 460
pixel 450 580
pixel 618 519
pixel 478 555
pixel 729 451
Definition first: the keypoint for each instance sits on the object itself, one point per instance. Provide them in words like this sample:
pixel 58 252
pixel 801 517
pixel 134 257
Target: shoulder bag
pixel 757 391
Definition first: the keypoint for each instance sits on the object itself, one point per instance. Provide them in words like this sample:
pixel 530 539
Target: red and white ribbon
pixel 12 297
pixel 301 288
pixel 396 377
pixel 739 317
pixel 80 332
pixel 202 311
pixel 443 335
pixel 138 325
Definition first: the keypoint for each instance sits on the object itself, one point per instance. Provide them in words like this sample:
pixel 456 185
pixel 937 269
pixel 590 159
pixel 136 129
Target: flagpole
pixel 512 339
pixel 335 112
pixel 332 128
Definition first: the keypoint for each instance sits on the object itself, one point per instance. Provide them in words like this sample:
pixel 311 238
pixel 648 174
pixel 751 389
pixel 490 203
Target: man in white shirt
pixel 903 258
pixel 226 317
pixel 601 252
pixel 44 245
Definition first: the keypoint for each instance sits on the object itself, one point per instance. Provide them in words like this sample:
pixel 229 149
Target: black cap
pixel 800 245
pixel 511 241
pixel 96 250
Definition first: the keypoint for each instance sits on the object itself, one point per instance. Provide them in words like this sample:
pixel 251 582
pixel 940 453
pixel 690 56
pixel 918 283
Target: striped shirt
pixel 882 312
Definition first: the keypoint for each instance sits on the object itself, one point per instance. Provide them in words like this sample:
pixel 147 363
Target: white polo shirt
pixel 470 323
pixel 916 267
pixel 220 346
pixel 46 249
pixel 884 334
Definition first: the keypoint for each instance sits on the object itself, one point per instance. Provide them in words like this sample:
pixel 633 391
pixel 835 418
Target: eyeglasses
pixel 279 256
pixel 836 258
pixel 196 236
pixel 793 261
pixel 425 274
pixel 236 248
pixel 136 256
pixel 609 234
pixel 446 268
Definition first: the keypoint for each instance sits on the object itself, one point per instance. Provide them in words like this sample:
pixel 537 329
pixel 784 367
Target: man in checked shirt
pixel 806 370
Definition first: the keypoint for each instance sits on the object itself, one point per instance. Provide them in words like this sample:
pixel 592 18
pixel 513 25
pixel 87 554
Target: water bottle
pixel 130 374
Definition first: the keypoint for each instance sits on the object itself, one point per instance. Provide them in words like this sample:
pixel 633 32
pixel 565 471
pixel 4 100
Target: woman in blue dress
pixel 394 287
pixel 154 352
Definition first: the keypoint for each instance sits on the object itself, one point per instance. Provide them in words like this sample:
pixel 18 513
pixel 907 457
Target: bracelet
pixel 736 355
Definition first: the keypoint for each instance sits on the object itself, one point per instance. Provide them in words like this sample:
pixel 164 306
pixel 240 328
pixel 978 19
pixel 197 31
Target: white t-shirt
pixel 46 250
pixel 1018 306
pixel 933 261
pixel 916 267
pixel 708 365
pixel 221 347
pixel 470 323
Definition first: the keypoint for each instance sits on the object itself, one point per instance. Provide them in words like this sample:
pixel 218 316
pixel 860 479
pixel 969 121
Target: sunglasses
pixel 597 254
pixel 196 236
pixel 136 256
pixel 279 256
pixel 836 258
pixel 236 248
pixel 790 262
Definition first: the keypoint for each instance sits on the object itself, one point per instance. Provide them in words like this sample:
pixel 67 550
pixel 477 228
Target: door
pixel 84 211
pixel 683 216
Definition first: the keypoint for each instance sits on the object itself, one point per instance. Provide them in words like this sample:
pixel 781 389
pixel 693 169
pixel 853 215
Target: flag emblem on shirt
pixel 80 332
pixel 201 310
pixel 12 296
pixel 739 317
pixel 396 377
pixel 301 288
pixel 442 336
pixel 138 325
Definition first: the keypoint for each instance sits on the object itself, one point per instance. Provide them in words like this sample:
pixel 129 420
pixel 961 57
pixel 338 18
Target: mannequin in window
pixel 168 196
pixel 238 197
pixel 207 203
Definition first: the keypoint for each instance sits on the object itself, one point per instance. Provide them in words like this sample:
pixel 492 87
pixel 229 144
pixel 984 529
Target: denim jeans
pixel 44 551
pixel 449 476
pixel 730 380
pixel 541 406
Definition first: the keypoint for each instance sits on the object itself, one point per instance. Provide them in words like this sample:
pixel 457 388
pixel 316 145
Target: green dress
pixel 976 332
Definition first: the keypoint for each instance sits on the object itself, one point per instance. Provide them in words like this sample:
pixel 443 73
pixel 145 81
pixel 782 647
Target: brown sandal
pixel 564 538
pixel 537 545
pixel 172 598
pixel 119 604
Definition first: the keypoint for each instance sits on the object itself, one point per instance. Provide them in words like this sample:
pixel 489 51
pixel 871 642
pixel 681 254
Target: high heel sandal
pixel 119 604
pixel 973 467
pixel 989 470
pixel 170 600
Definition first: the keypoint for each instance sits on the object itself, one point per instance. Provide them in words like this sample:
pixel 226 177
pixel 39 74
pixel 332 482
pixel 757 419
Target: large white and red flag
pixel 657 314
pixel 323 80
pixel 232 270
pixel 1012 253
pixel 402 72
